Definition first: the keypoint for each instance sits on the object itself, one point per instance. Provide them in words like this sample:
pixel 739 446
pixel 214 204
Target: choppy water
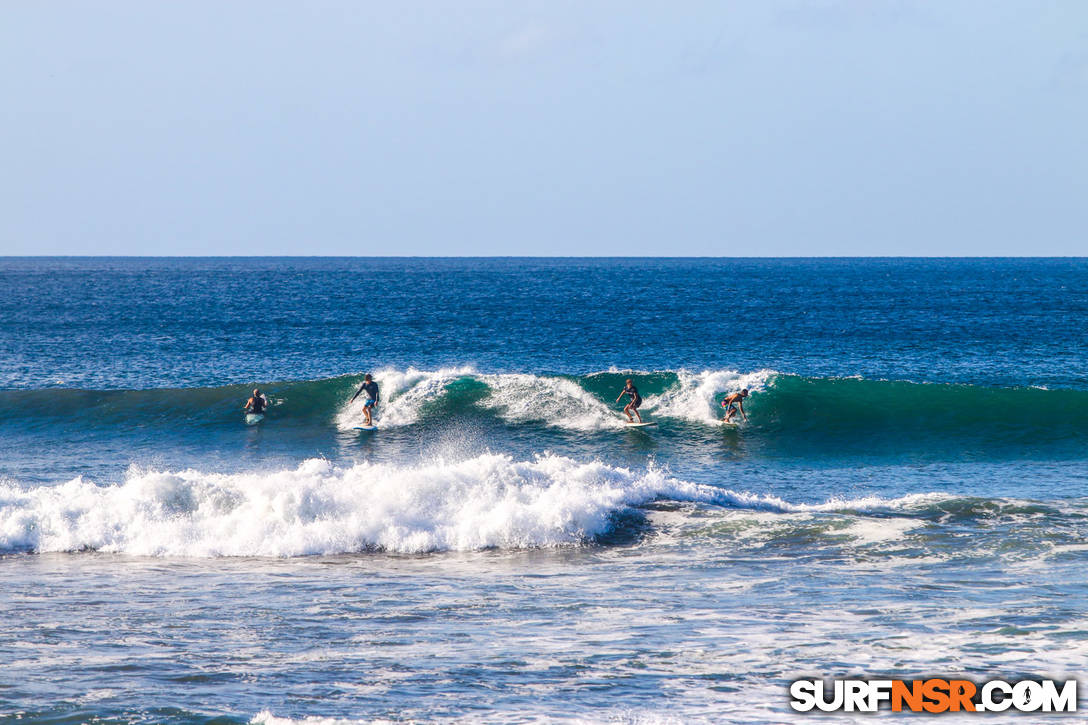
pixel 909 497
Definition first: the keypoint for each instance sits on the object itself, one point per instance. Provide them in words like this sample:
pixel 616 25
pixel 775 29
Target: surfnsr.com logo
pixel 934 695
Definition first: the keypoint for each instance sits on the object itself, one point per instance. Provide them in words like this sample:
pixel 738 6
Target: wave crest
pixel 577 404
pixel 318 508
pixel 490 501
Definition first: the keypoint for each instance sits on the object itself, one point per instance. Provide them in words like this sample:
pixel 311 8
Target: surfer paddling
pixel 371 389
pixel 735 402
pixel 632 405
pixel 256 404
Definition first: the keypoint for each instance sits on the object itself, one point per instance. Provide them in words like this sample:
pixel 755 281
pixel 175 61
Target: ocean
pixel 909 497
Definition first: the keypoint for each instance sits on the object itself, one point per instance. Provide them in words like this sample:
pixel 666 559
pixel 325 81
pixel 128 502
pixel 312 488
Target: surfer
pixel 734 402
pixel 256 404
pixel 632 406
pixel 371 389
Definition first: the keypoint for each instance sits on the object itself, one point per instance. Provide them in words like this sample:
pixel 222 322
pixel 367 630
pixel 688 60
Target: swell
pixel 308 401
pixel 784 410
pixel 923 414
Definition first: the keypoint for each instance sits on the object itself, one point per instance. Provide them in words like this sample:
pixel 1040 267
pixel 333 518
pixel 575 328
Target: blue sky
pixel 789 128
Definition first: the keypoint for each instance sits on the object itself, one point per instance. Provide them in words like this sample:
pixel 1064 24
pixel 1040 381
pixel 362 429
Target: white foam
pixel 562 403
pixel 556 402
pixel 882 530
pixel 490 501
pixel 869 504
pixel 403 395
pixel 694 398
pixel 621 717
pixel 515 397
pixel 267 718
pixel 318 508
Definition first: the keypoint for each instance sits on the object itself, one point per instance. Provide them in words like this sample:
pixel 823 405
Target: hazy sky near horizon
pixel 807 127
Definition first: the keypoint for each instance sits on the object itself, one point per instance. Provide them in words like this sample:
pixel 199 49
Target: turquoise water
pixel 909 496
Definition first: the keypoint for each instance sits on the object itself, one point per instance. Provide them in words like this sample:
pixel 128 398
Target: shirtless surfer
pixel 632 406
pixel 734 402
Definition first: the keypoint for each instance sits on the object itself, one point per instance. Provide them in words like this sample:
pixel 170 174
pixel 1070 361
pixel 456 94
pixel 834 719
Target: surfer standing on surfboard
pixel 632 406
pixel 371 389
pixel 732 403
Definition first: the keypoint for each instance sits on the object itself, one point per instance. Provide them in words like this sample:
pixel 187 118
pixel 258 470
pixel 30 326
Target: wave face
pixel 851 404
pixel 787 412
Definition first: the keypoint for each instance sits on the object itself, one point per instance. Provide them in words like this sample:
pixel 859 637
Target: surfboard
pixel 728 424
pixel 366 427
pixel 640 425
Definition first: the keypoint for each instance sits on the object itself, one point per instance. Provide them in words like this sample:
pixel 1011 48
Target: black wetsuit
pixel 636 399
pixel 256 405
pixel 371 390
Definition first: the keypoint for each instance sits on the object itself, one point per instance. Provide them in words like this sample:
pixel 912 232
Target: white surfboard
pixel 366 427
pixel 728 424
pixel 640 425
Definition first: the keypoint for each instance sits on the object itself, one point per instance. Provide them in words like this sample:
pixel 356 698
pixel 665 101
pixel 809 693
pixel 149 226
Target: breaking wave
pixel 788 413
pixel 490 501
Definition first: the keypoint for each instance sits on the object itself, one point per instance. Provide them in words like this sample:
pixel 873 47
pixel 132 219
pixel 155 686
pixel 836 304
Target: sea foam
pixel 490 501
pixel 319 508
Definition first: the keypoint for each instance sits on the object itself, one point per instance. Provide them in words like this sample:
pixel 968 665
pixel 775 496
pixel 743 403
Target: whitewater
pixel 486 502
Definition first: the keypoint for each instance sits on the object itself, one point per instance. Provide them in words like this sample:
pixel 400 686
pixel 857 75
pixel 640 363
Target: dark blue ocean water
pixel 130 323
pixel 909 495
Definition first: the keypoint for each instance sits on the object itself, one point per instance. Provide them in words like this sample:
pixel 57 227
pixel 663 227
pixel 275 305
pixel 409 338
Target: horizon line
pixel 528 256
